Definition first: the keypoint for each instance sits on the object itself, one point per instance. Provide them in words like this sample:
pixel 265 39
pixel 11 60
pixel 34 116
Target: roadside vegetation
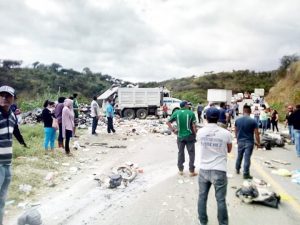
pixel 287 90
pixel 31 165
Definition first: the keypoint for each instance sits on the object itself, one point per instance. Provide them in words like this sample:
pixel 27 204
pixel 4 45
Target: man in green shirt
pixel 186 135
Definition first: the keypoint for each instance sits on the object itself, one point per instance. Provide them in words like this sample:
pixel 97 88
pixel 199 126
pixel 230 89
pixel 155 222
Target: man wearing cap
pixel 186 131
pixel 245 128
pixel 8 122
pixel 214 142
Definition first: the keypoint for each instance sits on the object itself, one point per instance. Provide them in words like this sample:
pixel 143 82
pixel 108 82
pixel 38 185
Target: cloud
pixel 146 40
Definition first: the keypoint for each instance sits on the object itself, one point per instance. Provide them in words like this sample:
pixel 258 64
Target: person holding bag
pixel 49 130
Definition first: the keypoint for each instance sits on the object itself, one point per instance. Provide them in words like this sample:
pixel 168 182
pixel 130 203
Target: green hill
pixel 287 90
pixel 194 88
pixel 40 82
pixel 34 85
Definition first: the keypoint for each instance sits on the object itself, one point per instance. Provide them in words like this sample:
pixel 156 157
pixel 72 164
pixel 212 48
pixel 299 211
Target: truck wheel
pixel 129 113
pixel 141 113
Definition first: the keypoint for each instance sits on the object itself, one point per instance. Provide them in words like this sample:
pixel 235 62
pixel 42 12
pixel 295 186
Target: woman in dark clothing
pixel 274 120
pixel 58 115
pixel 49 131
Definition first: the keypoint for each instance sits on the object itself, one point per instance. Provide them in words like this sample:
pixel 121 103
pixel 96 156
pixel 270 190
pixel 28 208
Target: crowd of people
pixel 214 139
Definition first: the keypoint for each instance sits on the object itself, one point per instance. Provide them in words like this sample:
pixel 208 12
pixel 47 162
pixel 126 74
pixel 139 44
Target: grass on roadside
pixel 31 165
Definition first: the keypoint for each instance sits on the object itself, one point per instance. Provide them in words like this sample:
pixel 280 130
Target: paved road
pixel 159 196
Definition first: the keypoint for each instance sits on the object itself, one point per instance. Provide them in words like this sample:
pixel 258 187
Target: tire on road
pixel 141 113
pixel 129 113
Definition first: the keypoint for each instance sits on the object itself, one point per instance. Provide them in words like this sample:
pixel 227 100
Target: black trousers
pixel 274 125
pixel 94 124
pixel 110 125
pixel 199 116
pixel 190 146
pixel 60 137
pixel 67 142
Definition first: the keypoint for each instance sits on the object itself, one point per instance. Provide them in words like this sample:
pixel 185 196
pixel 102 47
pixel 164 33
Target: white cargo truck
pixel 137 102
pixel 259 92
pixel 219 95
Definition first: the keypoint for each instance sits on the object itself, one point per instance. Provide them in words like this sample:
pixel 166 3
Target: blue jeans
pixel 264 125
pixel 297 141
pixel 50 134
pixel 245 150
pixel 256 118
pixel 5 178
pixel 94 124
pixel 291 133
pixel 219 180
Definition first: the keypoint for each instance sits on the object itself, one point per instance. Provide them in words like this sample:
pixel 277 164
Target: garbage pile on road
pixel 35 116
pixel 256 191
pixel 31 117
pixel 121 176
pixel 270 140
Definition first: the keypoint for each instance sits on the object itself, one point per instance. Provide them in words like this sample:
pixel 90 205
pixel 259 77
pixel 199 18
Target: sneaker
pixel 247 176
pixel 193 174
pixel 237 171
pixel 180 173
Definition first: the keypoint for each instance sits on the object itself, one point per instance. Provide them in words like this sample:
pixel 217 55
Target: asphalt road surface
pixel 159 196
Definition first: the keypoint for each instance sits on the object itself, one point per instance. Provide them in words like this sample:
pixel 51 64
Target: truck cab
pixel 173 104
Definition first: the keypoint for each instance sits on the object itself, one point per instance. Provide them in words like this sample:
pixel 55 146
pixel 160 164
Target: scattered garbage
pixel 280 161
pixel 77 146
pixel 115 180
pixel 256 191
pixel 270 140
pixel 25 188
pixel 121 176
pixel 30 217
pixel 50 178
pixel 296 176
pixel 282 172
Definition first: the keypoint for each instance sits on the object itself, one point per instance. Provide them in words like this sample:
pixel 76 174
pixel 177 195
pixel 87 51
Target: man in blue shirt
pixel 222 122
pixel 110 116
pixel 199 111
pixel 245 128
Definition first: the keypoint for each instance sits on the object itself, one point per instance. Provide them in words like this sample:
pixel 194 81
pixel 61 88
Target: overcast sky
pixel 151 40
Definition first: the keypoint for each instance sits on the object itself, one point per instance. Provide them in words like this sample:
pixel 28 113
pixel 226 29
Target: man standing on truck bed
pixel 186 135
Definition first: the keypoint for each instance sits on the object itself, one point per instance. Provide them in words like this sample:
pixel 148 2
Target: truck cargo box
pixel 219 95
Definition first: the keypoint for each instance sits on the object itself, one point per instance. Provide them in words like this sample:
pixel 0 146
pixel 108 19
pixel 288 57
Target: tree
pixel 287 60
pixel 87 71
pixel 54 67
pixel 35 64
pixel 9 64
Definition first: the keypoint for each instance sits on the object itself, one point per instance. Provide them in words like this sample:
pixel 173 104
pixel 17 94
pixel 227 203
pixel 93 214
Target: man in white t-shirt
pixel 95 114
pixel 214 142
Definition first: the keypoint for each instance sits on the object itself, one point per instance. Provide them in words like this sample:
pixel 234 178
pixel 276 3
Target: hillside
pixel 39 82
pixel 195 88
pixel 34 85
pixel 286 90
